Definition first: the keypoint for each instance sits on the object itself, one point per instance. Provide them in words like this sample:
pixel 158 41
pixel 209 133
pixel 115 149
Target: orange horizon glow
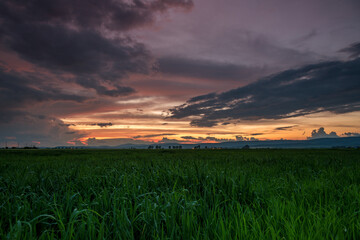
pixel 299 128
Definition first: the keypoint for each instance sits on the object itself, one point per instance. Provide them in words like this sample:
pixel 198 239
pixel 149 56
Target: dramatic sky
pixel 89 72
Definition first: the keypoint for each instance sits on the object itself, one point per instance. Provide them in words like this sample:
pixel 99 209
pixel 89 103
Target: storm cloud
pixel 329 86
pixel 110 14
pixel 86 39
pixel 66 65
pixel 68 51
pixel 20 90
pixel 18 93
pixel 92 59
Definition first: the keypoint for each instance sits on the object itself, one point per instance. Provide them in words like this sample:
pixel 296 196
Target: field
pixel 180 194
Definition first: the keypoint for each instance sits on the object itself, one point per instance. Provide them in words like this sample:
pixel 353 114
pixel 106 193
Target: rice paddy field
pixel 180 194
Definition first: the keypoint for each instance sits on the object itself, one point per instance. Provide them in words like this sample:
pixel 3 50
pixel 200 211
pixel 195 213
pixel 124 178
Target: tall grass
pixel 180 194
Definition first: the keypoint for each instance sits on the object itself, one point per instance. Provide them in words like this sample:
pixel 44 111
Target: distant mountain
pixel 341 142
pixel 313 143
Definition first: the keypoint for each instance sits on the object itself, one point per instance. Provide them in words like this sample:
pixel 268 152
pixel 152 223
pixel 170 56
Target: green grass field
pixel 180 194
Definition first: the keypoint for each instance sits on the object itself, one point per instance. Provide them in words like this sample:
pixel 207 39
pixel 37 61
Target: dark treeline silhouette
pixel 159 147
pixel 175 147
pixel 154 147
pixel 33 147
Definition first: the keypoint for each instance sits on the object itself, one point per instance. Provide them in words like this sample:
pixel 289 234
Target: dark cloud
pixel 83 38
pixel 208 69
pixel 201 122
pixel 202 97
pixel 188 137
pixel 320 133
pixel 353 50
pixel 111 14
pixel 28 128
pixel 78 52
pixel 285 128
pixel 65 51
pixel 67 124
pixel 154 135
pixel 127 116
pixel 18 91
pixel 93 60
pixel 351 134
pixel 109 124
pixel 241 138
pixel 328 86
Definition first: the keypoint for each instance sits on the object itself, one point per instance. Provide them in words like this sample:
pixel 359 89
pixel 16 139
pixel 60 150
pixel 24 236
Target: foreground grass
pixel 180 194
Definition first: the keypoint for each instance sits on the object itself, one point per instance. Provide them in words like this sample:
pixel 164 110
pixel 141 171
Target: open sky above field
pixel 139 71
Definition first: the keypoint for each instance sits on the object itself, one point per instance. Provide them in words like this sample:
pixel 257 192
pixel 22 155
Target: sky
pixel 111 72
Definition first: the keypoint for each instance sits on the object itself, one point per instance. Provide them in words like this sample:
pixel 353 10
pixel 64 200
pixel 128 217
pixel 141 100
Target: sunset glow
pixel 179 72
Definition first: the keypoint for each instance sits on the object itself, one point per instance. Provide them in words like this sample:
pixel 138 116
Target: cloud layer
pixel 21 90
pixel 69 51
pixel 328 86
pixel 81 38
pixel 320 133
pixel 79 69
